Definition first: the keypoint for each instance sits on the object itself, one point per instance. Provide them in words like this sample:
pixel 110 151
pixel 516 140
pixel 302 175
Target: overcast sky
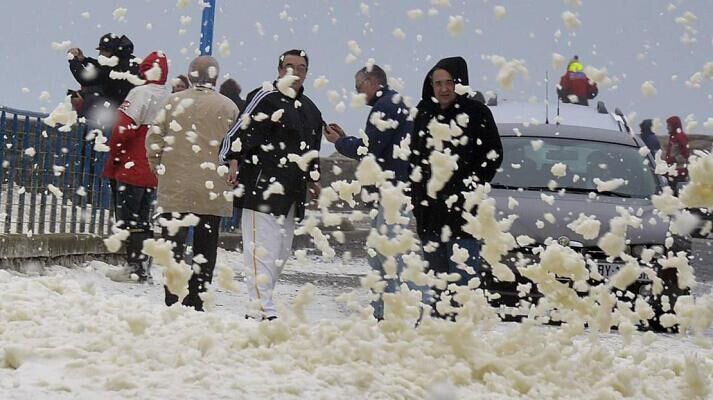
pixel 635 40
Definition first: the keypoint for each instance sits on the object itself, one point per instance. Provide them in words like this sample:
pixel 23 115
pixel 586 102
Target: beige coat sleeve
pixel 234 113
pixel 154 140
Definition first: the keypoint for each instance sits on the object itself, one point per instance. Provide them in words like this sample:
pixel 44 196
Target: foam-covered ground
pixel 74 334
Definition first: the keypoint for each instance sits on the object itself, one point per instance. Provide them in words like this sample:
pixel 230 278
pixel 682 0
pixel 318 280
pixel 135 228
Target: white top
pixel 143 103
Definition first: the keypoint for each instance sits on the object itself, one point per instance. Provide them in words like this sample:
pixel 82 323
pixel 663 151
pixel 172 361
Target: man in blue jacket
pixel 649 137
pixel 387 125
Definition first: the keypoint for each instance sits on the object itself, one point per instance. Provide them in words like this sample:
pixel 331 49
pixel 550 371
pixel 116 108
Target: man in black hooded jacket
pixel 649 137
pixel 455 146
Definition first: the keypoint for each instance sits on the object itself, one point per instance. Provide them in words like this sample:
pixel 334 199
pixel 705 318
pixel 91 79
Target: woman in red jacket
pixel 132 182
pixel 677 152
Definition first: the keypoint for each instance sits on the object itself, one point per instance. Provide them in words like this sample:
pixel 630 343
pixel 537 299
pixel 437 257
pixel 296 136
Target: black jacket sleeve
pixel 249 131
pixel 482 155
pixel 78 68
pixel 315 125
pixel 257 132
pixel 416 157
pixel 488 155
pixel 317 145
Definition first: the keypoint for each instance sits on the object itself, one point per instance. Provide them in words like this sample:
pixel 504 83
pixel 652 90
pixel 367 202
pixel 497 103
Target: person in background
pixel 274 190
pixel 677 152
pixel 386 104
pixel 231 89
pixel 575 87
pixel 179 147
pixel 649 137
pixel 180 83
pixel 439 213
pixel 132 181
pixel 104 84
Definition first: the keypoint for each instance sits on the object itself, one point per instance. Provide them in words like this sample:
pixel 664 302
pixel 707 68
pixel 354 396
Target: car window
pixel 527 163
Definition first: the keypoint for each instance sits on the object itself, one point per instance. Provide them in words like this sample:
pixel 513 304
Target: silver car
pixel 589 154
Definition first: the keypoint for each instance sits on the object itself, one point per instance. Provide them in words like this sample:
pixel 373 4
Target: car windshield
pixel 528 162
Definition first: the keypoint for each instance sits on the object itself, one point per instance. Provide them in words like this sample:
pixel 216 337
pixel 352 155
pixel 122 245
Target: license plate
pixel 607 270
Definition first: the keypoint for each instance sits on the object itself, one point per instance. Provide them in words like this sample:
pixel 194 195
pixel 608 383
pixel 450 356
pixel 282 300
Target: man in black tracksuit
pixel 479 151
pixel 274 147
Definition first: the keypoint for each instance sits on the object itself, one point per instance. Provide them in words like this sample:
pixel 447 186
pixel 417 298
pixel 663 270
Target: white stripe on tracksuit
pixel 230 136
pixel 266 247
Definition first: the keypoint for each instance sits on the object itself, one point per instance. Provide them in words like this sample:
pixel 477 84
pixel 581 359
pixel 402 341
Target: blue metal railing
pixel 27 206
pixel 66 160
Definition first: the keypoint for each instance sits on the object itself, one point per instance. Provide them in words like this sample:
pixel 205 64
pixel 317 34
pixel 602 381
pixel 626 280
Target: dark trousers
pixel 675 182
pixel 205 242
pixel 235 219
pixel 132 211
pixel 439 261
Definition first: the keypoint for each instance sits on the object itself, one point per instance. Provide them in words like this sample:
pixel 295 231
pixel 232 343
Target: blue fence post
pixel 11 174
pixel 206 42
pixel 55 180
pixel 36 171
pixel 102 201
pixel 85 182
pixel 24 184
pixel 46 217
pixel 3 136
pixel 94 190
pixel 76 177
pixel 64 178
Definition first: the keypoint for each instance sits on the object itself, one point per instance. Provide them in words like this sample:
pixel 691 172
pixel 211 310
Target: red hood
pixel 155 58
pixel 675 123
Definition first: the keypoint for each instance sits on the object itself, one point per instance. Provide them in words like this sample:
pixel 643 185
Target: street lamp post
pixel 206 42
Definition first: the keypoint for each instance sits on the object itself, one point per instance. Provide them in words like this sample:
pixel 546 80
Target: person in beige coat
pixel 182 148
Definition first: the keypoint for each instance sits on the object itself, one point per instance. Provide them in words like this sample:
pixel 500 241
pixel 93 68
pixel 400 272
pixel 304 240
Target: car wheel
pixel 670 292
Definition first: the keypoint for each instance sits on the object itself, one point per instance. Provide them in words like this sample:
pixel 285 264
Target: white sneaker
pixel 123 274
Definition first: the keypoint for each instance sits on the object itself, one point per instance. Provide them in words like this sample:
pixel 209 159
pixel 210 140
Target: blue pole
pixel 206 44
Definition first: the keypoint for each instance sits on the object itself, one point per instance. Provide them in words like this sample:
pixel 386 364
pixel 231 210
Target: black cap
pixel 124 47
pixel 108 42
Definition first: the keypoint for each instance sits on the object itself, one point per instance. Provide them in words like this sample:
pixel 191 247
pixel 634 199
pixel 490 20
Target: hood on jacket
pixel 645 126
pixel 675 123
pixel 456 66
pixel 154 68
pixel 124 47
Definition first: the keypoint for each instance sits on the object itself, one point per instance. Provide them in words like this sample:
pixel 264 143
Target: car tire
pixel 672 291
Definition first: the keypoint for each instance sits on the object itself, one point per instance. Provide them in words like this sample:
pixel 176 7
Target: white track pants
pixel 266 247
